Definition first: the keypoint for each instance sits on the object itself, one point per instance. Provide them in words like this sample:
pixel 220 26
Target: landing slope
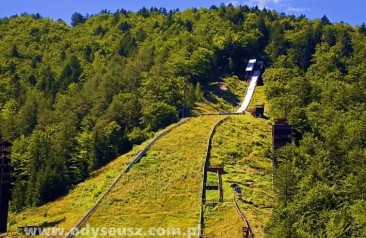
pixel 163 190
pixel 242 146
pixel 65 212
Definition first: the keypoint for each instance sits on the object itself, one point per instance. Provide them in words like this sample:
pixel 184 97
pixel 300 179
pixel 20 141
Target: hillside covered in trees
pixel 73 98
pixel 319 85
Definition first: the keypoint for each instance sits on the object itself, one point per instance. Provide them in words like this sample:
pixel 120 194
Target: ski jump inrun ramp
pixel 250 91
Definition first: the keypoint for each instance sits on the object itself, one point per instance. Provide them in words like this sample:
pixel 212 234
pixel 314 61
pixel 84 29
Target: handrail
pixel 135 161
pixel 242 216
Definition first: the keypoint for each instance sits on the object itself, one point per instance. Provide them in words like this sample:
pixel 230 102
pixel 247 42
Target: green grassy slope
pixel 242 145
pixel 164 189
pixel 68 210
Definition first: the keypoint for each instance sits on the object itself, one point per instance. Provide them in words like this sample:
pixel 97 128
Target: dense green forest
pixel 318 82
pixel 74 97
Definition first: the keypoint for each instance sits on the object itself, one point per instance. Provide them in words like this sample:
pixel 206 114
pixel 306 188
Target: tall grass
pixel 163 190
pixel 242 146
pixel 68 210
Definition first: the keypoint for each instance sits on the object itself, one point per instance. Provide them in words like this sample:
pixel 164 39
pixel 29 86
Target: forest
pixel 74 97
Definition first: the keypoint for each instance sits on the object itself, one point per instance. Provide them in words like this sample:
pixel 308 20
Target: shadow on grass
pixel 215 90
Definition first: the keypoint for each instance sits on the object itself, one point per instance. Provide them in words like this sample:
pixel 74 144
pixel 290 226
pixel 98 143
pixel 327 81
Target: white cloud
pixel 264 3
pixel 296 10
pixel 278 5
pixel 235 3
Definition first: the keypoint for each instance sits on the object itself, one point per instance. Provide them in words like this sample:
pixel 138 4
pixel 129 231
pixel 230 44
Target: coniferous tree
pixel 77 19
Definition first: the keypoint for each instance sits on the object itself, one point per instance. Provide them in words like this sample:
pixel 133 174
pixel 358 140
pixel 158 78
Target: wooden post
pixel 5 170
pixel 221 191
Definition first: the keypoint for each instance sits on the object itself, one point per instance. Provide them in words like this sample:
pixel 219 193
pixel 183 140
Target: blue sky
pixel 351 11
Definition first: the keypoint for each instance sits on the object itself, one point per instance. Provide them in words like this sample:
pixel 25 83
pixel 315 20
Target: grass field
pixel 225 95
pixel 242 146
pixel 164 189
pixel 68 210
